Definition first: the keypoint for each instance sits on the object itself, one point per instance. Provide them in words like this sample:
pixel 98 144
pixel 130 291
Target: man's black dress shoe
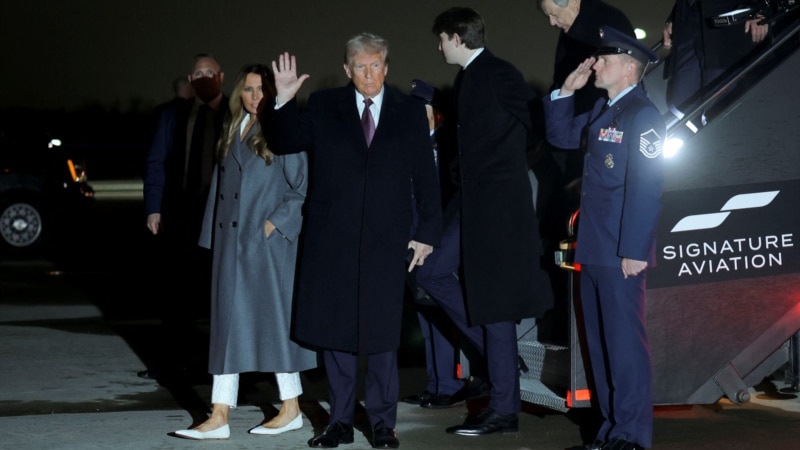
pixel 621 444
pixel 447 401
pixel 418 399
pixel 487 422
pixel 476 387
pixel 383 437
pixel 443 401
pixel 332 436
pixel 596 445
pixel 470 389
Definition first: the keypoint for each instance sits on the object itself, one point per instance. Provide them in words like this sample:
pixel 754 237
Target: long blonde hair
pixel 236 113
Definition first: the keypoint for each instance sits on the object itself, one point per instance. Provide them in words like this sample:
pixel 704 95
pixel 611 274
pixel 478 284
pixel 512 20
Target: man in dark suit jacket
pixel 501 249
pixel 444 388
pixel 176 180
pixel 356 225
pixel 700 53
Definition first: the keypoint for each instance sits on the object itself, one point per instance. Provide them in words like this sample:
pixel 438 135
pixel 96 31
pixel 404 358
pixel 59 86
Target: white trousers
pixel 225 388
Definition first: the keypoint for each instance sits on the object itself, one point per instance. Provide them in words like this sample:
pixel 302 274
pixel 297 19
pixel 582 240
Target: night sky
pixel 123 55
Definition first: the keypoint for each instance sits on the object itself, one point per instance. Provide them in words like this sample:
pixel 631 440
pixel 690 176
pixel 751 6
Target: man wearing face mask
pixel 176 183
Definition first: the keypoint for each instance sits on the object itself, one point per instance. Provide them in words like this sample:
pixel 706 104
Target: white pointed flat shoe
pixel 295 424
pixel 223 432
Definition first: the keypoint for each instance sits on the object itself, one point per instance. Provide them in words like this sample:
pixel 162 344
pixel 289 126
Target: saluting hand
pixel 578 77
pixel 287 83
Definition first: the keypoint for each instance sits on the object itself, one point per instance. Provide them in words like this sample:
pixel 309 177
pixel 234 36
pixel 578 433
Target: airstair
pixel 724 297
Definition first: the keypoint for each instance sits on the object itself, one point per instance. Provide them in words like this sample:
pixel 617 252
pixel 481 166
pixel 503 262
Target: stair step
pixel 534 384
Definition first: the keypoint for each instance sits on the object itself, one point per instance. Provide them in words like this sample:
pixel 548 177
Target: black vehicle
pixel 44 196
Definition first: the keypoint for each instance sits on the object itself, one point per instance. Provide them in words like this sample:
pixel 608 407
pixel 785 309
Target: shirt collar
pixel 621 94
pixel 376 101
pixel 474 55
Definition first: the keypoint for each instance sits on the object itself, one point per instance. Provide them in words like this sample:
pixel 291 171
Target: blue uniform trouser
pixel 440 350
pixel 619 353
pixel 497 342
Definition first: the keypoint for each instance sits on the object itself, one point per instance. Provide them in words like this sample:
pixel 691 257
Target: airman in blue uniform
pixel 619 211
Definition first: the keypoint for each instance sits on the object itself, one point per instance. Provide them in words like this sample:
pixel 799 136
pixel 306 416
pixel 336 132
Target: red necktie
pixel 367 123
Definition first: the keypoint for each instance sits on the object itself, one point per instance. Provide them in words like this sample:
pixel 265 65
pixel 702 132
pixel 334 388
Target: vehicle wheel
pixel 21 227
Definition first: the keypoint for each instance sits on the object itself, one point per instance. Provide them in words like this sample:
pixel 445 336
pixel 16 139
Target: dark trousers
pixel 382 387
pixel 440 350
pixel 792 373
pixel 496 342
pixel 619 352
pixel 182 273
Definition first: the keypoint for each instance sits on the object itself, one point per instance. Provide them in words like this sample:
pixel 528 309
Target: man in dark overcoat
pixel 578 21
pixel 501 249
pixel 700 52
pixel 369 147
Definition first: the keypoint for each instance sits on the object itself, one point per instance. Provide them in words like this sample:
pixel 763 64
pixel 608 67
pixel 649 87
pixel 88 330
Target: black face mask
pixel 206 88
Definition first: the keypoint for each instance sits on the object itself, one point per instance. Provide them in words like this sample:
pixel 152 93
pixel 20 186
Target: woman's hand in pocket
pixel 268 228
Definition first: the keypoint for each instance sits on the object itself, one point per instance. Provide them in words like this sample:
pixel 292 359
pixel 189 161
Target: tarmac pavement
pixel 72 340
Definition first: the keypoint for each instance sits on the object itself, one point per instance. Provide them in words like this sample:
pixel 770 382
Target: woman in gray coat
pixel 252 222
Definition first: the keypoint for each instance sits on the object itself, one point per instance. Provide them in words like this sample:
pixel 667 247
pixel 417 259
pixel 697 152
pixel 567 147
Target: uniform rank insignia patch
pixel 610 134
pixel 610 161
pixel 650 143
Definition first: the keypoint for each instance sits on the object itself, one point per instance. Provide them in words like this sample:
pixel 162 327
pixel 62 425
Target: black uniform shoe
pixel 621 444
pixel 487 422
pixel 418 399
pixel 383 437
pixel 332 436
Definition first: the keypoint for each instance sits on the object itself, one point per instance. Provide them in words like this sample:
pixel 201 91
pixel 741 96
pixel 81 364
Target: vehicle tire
pixel 22 226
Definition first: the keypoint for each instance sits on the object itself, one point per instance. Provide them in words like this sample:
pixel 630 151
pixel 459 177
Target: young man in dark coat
pixel 501 250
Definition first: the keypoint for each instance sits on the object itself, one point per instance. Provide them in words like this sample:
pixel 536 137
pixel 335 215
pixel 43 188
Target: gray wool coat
pixel 252 274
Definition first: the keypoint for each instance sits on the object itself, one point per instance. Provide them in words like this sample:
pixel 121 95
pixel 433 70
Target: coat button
pixel 234 224
pixel 220 224
pixel 222 196
pixel 236 196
